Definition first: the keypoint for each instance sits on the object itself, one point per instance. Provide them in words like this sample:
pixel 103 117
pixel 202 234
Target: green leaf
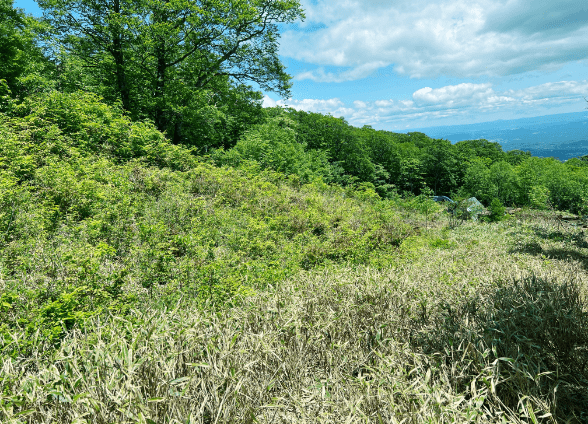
pixel 179 381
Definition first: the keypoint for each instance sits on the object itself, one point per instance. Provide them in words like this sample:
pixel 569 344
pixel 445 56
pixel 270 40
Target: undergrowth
pixel 139 283
pixel 352 345
pixel 103 214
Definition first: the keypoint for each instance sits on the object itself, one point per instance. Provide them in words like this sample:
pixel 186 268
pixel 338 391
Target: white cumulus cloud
pixel 459 38
pixel 268 101
pixel 452 94
pixel 450 101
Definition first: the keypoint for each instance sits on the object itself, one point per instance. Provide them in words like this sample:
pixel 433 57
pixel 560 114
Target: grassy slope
pixel 216 295
pixel 456 330
pixel 101 213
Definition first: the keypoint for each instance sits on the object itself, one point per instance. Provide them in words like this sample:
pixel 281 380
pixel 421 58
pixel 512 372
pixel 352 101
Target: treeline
pixel 311 145
pixel 186 71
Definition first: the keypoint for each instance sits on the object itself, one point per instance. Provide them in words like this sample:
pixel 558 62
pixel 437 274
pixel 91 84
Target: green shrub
pixel 539 197
pixel 274 146
pixel 128 231
pixel 497 210
pixel 67 125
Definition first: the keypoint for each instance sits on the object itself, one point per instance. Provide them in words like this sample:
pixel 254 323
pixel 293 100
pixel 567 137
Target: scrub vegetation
pixel 172 252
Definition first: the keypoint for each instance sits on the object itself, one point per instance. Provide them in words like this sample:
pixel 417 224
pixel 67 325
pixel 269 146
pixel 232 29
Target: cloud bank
pixel 425 39
pixel 465 99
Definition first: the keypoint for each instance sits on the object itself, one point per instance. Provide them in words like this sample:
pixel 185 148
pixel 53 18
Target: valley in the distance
pixel 562 136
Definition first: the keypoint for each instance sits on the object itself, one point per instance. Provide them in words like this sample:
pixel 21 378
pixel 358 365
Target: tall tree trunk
pixel 119 62
pixel 160 118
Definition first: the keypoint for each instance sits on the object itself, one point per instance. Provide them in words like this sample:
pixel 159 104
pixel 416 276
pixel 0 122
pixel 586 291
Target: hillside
pixel 143 283
pixel 173 252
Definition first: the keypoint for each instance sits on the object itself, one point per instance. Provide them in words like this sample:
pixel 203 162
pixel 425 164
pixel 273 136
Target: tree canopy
pixel 185 67
pixel 19 54
pixel 151 55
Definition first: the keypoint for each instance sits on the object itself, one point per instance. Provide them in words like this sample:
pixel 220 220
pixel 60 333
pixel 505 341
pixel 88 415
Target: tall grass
pixel 141 285
pixel 411 343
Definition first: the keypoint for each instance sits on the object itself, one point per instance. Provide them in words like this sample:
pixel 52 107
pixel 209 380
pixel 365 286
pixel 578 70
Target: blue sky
pixel 397 65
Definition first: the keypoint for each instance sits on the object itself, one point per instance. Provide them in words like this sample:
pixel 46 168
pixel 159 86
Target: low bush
pixel 497 210
pixel 79 212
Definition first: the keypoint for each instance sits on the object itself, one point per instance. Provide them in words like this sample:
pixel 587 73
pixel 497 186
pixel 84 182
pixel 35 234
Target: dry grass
pixel 485 323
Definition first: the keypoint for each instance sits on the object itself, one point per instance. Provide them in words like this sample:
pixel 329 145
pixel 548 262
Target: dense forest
pixel 187 72
pixel 172 251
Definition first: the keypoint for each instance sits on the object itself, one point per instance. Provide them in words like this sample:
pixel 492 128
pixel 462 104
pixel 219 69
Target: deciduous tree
pixel 18 51
pixel 157 52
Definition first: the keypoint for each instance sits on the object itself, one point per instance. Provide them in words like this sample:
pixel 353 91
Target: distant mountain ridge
pixel 562 136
